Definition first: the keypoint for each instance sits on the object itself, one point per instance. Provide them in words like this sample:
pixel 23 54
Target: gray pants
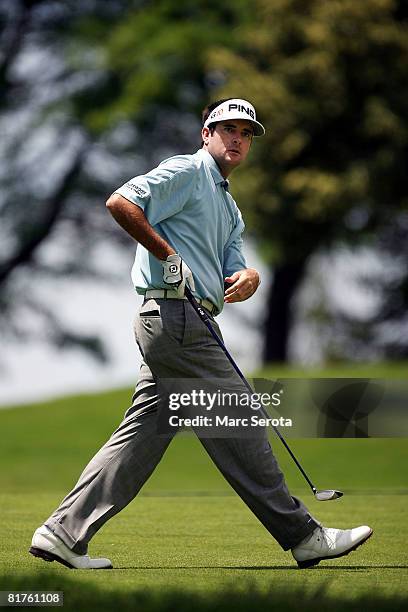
pixel 175 344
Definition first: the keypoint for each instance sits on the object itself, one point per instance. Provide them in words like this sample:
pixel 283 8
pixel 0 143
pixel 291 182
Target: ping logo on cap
pixel 241 108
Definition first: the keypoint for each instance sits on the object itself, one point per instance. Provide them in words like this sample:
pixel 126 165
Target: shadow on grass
pixel 80 596
pixel 286 568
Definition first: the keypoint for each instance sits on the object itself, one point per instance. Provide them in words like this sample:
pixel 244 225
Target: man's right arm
pixel 133 220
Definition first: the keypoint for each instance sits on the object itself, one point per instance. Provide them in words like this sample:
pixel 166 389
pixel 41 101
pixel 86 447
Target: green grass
pixel 187 541
pixel 387 370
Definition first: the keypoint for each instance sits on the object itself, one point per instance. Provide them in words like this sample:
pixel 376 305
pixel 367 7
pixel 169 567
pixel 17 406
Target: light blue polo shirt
pixel 185 201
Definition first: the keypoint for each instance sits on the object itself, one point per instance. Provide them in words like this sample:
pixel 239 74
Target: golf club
pixel 322 495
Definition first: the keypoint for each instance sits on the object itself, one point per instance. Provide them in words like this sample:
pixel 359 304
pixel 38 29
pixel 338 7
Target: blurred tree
pixel 329 80
pixel 43 150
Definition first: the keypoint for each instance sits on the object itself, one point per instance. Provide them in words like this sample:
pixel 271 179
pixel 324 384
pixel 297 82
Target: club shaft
pixel 206 320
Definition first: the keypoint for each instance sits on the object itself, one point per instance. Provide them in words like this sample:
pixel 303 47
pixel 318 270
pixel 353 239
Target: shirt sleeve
pixel 164 191
pixel 234 259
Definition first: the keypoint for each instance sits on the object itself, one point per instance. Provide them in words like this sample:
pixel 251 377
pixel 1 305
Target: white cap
pixel 236 109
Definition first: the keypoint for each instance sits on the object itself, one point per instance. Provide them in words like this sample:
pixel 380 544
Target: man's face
pixel 229 143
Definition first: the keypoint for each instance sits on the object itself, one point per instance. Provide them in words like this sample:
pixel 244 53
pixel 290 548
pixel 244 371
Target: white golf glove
pixel 176 273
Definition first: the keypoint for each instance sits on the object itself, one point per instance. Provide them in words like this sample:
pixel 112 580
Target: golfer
pixel 189 230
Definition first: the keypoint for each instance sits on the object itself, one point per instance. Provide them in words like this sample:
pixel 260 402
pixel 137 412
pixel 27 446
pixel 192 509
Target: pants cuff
pixel 301 534
pixel 69 541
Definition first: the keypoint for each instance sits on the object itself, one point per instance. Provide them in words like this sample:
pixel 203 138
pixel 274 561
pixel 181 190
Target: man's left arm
pixel 242 281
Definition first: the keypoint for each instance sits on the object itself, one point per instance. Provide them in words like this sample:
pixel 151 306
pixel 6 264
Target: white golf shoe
pixel 328 543
pixel 49 547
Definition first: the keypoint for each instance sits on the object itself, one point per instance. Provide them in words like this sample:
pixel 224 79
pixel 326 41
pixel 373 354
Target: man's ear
pixel 205 135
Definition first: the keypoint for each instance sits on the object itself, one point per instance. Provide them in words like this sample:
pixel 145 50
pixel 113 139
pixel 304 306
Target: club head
pixel 327 494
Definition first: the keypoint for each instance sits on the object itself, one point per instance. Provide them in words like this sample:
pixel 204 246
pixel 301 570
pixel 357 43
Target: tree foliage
pixel 330 82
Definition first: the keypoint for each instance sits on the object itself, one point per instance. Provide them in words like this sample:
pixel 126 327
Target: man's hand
pixel 244 284
pixel 176 273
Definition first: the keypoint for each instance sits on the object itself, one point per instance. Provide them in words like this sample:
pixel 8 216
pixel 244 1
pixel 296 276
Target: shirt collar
pixel 214 169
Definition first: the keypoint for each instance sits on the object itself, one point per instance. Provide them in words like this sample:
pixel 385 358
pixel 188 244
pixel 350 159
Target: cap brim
pixel 259 129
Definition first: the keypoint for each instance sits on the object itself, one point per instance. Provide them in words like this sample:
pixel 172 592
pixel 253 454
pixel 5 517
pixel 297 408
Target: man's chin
pixel 233 159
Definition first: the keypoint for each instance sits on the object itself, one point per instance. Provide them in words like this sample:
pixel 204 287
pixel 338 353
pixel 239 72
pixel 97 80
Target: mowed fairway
pixel 187 541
